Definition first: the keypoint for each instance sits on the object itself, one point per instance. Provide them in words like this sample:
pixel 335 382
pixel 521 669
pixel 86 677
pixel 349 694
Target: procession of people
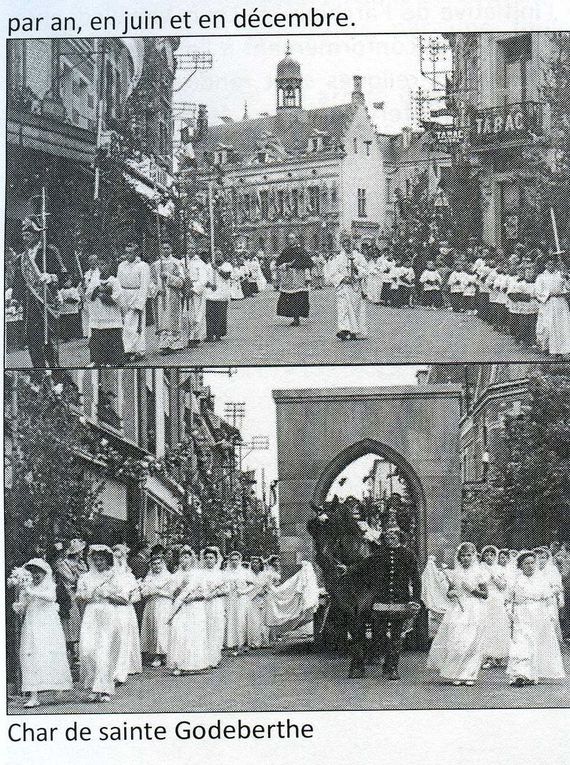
pixel 185 299
pixel 492 609
pixel 80 617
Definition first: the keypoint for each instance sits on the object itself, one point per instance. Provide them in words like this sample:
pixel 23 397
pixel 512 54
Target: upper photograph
pixel 257 201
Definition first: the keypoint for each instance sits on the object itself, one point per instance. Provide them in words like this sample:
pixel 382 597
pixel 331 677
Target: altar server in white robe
pixel 240 586
pixel 100 638
pixel 156 592
pixel 197 274
pixel 375 279
pixel 497 625
pixel 457 648
pixel 129 660
pixel 134 277
pixel 43 652
pixel 552 290
pixel 257 633
pixel 215 603
pixel 534 652
pixel 187 646
pixel 348 274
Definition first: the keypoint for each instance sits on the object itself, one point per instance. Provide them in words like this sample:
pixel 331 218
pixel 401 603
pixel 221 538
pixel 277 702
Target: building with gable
pixel 318 172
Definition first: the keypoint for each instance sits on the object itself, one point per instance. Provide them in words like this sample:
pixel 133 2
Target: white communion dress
pixel 457 648
pixel 155 632
pixel 43 654
pixel 129 659
pixel 534 652
pixel 187 647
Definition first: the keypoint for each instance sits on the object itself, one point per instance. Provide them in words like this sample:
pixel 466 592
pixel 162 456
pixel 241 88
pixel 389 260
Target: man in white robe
pixel 347 274
pixel 553 324
pixel 134 277
pixel 198 273
pixel 168 275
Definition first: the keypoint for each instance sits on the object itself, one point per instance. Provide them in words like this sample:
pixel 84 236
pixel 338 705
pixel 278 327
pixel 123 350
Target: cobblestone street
pixel 295 679
pixel 257 336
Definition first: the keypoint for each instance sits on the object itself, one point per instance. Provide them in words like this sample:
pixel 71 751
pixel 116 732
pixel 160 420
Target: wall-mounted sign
pixel 504 124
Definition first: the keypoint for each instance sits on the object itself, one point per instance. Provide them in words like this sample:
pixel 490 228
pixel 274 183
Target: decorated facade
pixel 318 172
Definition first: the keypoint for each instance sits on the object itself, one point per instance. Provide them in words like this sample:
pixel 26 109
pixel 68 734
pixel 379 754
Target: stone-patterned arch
pixel 371 446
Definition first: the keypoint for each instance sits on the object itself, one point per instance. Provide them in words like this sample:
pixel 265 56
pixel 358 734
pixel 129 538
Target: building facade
pixel 496 93
pixel 90 121
pixel 318 172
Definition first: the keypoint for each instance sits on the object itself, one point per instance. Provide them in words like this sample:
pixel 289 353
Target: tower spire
pixel 245 114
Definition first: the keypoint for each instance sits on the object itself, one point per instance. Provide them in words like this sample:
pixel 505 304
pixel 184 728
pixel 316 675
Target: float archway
pixel 320 432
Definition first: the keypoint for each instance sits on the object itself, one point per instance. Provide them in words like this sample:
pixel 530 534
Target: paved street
pixel 295 679
pixel 257 336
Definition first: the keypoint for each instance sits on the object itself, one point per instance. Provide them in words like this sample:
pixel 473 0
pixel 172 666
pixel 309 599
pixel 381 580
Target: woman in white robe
pixel 129 659
pixel 497 625
pixel 43 651
pixel 99 638
pixel 257 633
pixel 257 274
pixel 240 585
pixel 215 603
pixel 548 569
pixel 553 323
pixel 457 649
pixel 534 652
pixel 156 592
pixel 187 645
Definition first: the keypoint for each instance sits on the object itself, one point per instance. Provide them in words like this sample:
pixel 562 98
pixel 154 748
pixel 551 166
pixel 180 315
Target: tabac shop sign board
pixel 506 124
pixel 446 138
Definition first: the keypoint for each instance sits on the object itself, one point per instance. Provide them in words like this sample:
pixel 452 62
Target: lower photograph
pixel 287 539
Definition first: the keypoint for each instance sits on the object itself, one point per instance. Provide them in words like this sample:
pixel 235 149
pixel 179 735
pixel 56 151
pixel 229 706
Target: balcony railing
pixel 509 125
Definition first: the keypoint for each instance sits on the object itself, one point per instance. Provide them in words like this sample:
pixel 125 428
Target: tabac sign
pixel 506 125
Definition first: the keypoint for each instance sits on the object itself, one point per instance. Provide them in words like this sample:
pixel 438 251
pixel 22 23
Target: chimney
pixel 422 376
pixel 357 94
pixel 201 122
pixel 406 137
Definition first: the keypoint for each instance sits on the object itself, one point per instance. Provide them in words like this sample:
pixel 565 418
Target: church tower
pixel 288 82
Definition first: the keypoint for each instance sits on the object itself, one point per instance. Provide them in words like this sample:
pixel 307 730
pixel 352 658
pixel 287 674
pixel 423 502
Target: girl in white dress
pixel 534 652
pixel 236 292
pixel 129 660
pixel 457 649
pixel 215 603
pixel 240 585
pixel 257 634
pixel 548 569
pixel 497 625
pixel 43 651
pixel 99 638
pixel 187 648
pixel 156 591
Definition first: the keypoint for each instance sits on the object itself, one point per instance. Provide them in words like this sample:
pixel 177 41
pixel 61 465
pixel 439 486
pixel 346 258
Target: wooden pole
pixel 44 263
pixel 555 231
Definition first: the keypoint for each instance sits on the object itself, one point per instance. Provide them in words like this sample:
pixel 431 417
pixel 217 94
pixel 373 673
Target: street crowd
pixel 523 292
pixel 102 612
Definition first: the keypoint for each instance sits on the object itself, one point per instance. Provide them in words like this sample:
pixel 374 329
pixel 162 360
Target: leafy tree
pixel 527 501
pixel 51 494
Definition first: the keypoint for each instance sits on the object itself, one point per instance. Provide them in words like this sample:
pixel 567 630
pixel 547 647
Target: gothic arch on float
pixel 370 446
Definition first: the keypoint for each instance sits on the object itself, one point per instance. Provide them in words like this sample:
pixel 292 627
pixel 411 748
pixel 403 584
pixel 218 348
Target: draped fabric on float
pixel 293 603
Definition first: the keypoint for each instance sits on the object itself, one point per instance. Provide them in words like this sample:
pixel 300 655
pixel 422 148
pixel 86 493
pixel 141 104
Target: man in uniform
pixel 393 575
pixel 36 289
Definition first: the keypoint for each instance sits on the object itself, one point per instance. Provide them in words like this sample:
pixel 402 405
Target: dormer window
pixel 315 143
pixel 220 156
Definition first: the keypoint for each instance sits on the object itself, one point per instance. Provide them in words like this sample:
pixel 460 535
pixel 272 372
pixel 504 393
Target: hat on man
pixel 75 546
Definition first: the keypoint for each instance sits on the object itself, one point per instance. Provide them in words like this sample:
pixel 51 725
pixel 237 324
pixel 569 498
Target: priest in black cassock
pixel 295 266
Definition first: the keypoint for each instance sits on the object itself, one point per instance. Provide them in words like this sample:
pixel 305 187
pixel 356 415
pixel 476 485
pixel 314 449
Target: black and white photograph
pixel 383 198
pixel 244 539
